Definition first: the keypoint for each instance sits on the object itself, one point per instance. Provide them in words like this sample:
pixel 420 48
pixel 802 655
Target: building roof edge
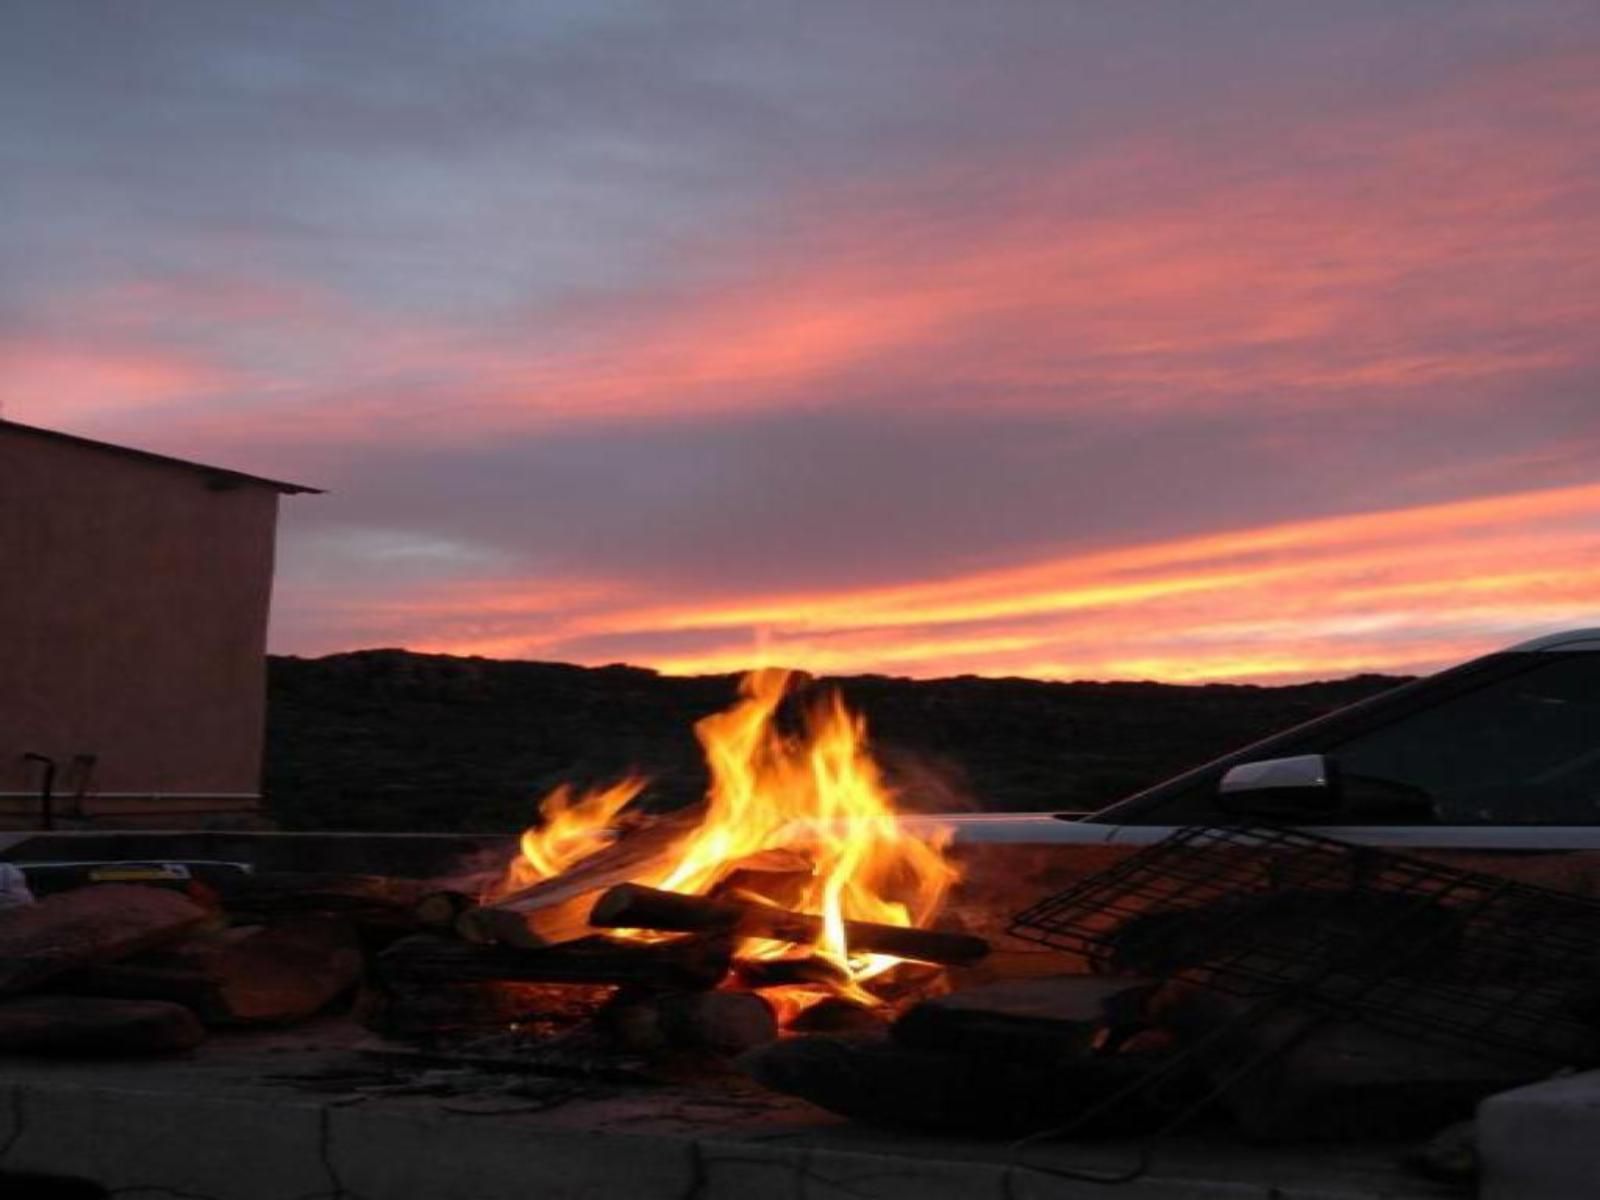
pixel 220 474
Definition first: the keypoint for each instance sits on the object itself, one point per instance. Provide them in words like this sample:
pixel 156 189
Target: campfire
pixel 794 875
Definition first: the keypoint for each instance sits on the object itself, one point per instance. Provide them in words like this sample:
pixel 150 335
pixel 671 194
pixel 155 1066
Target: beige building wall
pixel 133 612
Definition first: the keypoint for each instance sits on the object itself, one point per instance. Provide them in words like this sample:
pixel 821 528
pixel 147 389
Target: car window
pixel 1524 749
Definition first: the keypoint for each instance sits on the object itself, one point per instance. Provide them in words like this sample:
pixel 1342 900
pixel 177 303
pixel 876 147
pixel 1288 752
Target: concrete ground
pixel 315 1113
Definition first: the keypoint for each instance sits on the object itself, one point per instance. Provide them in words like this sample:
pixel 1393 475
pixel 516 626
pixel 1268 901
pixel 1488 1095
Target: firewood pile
pixel 548 956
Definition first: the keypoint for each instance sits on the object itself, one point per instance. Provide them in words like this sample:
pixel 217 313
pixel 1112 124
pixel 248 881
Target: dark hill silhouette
pixel 388 739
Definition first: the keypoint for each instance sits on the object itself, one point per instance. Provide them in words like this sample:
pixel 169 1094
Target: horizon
pixel 739 672
pixel 1027 340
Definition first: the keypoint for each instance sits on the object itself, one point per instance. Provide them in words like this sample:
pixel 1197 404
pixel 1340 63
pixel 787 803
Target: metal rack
pixel 1344 931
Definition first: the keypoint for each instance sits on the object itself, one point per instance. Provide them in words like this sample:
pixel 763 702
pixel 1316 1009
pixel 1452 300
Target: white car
pixel 1499 753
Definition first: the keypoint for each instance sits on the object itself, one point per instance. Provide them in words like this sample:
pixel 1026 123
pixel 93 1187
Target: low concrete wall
pixel 412 855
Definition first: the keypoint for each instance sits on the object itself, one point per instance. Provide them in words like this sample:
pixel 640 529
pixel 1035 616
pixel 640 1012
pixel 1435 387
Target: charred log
pixel 687 963
pixel 556 910
pixel 631 906
pixel 439 911
pixel 370 899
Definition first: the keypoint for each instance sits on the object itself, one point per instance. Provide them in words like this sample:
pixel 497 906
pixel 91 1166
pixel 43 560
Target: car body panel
pixel 1044 829
pixel 1188 798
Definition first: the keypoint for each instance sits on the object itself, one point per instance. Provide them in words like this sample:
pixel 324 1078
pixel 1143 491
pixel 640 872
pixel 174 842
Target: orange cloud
pixel 1401 590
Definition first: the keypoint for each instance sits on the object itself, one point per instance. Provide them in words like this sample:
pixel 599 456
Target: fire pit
pixel 791 894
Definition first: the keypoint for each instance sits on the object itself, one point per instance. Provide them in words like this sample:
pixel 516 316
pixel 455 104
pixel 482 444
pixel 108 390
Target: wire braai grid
pixel 1400 943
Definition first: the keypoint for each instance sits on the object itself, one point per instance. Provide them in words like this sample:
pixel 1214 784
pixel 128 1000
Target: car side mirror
pixel 1306 785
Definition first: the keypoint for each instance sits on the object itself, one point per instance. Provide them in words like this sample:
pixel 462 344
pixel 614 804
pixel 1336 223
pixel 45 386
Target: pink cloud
pixel 1362 260
pixel 1402 255
pixel 75 383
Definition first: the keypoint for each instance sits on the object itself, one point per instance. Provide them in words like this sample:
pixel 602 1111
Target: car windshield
pixel 1524 749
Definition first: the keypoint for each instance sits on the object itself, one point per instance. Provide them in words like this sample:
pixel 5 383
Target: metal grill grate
pixel 1401 943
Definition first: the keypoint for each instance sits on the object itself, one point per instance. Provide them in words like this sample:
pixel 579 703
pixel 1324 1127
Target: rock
pixel 837 1015
pixel 90 1026
pixel 1322 1080
pixel 1449 1156
pixel 86 926
pixel 881 1082
pixel 727 1023
pixel 1054 1017
pixel 270 975
pixel 136 981
pixel 241 976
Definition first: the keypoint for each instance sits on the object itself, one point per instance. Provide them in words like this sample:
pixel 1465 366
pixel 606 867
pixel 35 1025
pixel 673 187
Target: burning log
pixel 688 963
pixel 556 910
pixel 758 973
pixel 774 876
pixel 631 906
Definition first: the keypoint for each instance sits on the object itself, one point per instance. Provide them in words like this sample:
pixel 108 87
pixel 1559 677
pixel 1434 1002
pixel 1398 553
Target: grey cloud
pixel 529 149
pixel 855 498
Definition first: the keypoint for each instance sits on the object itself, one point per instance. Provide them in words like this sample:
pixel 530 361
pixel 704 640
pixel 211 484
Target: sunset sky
pixel 1118 339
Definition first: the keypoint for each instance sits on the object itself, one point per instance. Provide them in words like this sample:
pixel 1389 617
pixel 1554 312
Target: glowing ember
pixel 815 794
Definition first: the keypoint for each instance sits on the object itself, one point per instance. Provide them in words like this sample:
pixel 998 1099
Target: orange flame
pixel 572 829
pixel 815 793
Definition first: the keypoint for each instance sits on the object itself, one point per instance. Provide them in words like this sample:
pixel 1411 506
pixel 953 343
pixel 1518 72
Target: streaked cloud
pixel 1397 590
